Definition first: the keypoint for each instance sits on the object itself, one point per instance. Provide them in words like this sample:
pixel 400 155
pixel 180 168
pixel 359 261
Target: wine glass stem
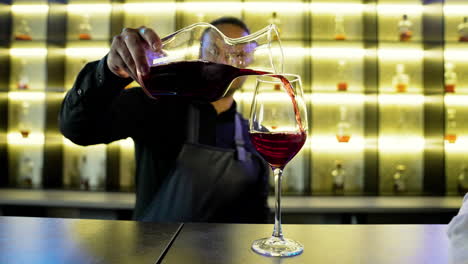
pixel 277 231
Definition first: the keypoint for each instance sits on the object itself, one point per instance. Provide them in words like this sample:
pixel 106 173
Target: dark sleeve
pixel 97 109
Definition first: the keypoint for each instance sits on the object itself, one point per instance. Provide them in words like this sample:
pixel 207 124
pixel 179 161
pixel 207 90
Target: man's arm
pixel 93 111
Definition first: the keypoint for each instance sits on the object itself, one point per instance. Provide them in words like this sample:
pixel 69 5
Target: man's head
pixel 215 49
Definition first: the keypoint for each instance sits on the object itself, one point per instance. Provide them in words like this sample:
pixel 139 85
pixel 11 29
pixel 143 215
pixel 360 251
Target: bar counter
pixel 53 240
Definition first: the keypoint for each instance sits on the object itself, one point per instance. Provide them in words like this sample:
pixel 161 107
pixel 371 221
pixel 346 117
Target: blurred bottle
pixel 23 31
pixel 463 180
pixel 401 79
pixel 22 79
pixel 450 78
pixel 274 19
pixel 26 172
pixel 24 120
pixel 338 176
pixel 84 171
pixel 405 28
pixel 399 179
pixel 463 30
pixel 343 134
pixel 84 32
pixel 342 84
pixel 450 130
pixel 340 33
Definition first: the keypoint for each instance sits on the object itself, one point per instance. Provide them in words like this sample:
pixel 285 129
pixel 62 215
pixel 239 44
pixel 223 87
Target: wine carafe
pixel 199 62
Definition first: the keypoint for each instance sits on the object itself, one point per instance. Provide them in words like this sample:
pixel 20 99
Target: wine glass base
pixel 277 247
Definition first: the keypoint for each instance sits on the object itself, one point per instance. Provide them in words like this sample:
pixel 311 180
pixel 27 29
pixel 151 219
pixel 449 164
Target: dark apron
pixel 211 184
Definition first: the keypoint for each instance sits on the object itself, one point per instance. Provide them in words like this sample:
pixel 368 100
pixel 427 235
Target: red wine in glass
pixel 278 148
pixel 200 80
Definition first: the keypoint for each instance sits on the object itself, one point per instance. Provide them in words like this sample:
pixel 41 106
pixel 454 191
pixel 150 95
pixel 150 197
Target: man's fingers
pixel 135 47
pixel 127 58
pixel 150 37
pixel 117 65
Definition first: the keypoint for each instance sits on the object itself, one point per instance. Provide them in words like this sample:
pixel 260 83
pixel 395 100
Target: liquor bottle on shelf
pixel 338 176
pixel 463 30
pixel 450 131
pixel 343 134
pixel 24 120
pixel 274 19
pixel 22 79
pixel 405 28
pixel 463 180
pixel 399 179
pixel 83 171
pixel 342 84
pixel 340 33
pixel 26 171
pixel 401 79
pixel 85 28
pixel 450 78
pixel 23 31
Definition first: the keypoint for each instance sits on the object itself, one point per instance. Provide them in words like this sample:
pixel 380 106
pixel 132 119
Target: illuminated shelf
pixel 28 52
pixel 29 9
pixel 401 143
pixel 401 99
pixel 455 9
pixel 29 96
pixel 89 8
pixel 398 9
pixel 34 138
pixel 330 143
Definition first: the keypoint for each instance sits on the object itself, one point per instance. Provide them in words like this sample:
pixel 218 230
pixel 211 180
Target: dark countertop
pixel 324 244
pixel 304 204
pixel 53 240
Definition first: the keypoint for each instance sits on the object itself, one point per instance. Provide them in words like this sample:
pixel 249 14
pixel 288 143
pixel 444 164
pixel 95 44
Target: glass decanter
pixel 450 77
pixel 338 176
pixel 343 133
pixel 399 179
pixel 463 30
pixel 401 79
pixel 405 28
pixel 340 33
pixel 199 62
pixel 23 31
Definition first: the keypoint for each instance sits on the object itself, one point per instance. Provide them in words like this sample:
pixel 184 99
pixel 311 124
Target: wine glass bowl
pixel 278 130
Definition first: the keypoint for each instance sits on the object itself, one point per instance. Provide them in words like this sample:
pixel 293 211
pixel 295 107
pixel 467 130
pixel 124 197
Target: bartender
pixel 195 162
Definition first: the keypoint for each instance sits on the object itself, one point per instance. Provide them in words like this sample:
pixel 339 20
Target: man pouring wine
pixel 194 159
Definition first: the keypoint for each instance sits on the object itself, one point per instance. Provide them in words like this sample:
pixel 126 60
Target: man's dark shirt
pixel 98 110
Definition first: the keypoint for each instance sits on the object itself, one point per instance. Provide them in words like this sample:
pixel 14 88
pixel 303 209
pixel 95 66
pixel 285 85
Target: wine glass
pixel 278 130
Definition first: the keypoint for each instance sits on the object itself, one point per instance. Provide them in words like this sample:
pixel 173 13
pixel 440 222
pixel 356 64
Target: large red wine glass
pixel 278 130
pixel 201 63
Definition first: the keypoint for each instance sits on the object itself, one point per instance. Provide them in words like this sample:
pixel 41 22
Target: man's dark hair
pixel 231 20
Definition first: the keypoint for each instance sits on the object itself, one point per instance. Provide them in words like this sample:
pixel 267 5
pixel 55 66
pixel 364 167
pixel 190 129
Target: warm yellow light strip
pixel 89 8
pixel 401 54
pixel 211 6
pixel 337 98
pixel 457 10
pixel 317 52
pixel 127 143
pixel 26 96
pixel 334 8
pixel 401 99
pixel 145 8
pixel 29 9
pixel 283 7
pixel 456 100
pixel 399 9
pixel 86 52
pixel 28 52
pixel 401 143
pixel 454 55
pixel 460 146
pixel 324 143
pixel 15 138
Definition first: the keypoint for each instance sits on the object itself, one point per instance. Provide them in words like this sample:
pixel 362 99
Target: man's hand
pixel 127 57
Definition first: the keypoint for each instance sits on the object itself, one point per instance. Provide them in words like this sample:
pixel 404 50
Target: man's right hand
pixel 127 57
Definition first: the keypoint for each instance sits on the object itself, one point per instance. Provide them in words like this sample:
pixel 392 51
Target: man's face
pixel 215 50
